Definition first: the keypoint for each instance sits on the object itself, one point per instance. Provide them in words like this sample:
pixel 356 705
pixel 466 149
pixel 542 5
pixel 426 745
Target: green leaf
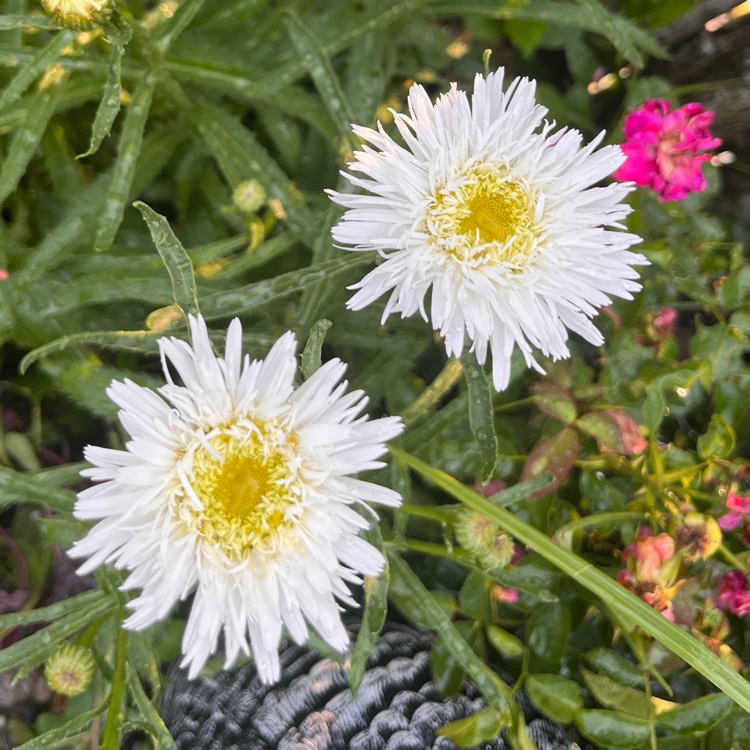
pixel 525 35
pixel 255 297
pixel 558 697
pixel 697 716
pixel 612 729
pixel 505 643
pixel 475 729
pixel 373 617
pixel 71 728
pixel 481 415
pixel 555 402
pixel 36 647
pixel 10 22
pixel 615 666
pixel 718 441
pixel 52 612
pixel 123 172
pixel 16 487
pixel 177 261
pixel 522 491
pixel 611 694
pixel 241 157
pixel 35 67
pixel 109 106
pixel 546 635
pixel 136 341
pixel 654 408
pixel 26 138
pixel 177 23
pixel 152 722
pixel 556 456
pixel 311 356
pixel 412 593
pixel 616 596
pixel 318 65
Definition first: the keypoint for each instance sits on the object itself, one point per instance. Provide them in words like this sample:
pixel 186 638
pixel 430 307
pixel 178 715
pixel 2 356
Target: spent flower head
pixel 666 148
pixel 496 215
pixel 78 14
pixel 238 486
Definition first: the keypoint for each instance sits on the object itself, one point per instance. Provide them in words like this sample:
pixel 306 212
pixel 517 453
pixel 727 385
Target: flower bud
pixel 69 671
pixel 78 14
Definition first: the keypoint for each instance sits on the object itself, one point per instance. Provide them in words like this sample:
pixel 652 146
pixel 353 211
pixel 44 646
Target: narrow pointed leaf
pixel 177 261
pixel 481 415
pixel 311 356
pixel 131 140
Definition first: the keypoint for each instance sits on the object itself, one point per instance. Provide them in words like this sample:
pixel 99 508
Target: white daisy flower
pixel 238 486
pixel 496 214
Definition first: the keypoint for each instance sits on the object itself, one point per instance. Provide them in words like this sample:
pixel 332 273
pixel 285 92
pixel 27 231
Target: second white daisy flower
pixel 239 487
pixel 495 214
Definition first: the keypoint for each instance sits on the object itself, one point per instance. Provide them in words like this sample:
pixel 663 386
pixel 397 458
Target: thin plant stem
pixel 435 392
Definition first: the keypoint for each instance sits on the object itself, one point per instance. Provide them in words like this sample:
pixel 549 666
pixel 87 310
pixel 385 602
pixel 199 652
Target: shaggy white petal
pixel 494 215
pixel 237 487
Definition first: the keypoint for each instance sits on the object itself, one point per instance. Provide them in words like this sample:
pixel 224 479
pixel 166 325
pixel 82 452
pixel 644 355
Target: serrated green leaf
pixel 131 139
pixel 177 261
pixel 311 356
pixel 481 414
pixel 35 67
pixel 558 697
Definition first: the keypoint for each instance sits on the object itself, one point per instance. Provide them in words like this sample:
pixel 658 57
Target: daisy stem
pixel 435 392
pixel 115 714
pixel 434 550
pixel 441 515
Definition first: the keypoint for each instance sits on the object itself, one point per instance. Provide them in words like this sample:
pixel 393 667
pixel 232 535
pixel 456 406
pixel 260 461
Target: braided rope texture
pixel 311 708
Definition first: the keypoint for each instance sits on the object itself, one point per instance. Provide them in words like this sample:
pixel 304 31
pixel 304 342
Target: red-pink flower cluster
pixel 664 148
pixel 734 595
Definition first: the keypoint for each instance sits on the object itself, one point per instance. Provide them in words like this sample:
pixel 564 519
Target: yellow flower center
pixel 248 492
pixel 485 216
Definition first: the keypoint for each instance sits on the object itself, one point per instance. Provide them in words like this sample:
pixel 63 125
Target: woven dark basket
pixel 312 708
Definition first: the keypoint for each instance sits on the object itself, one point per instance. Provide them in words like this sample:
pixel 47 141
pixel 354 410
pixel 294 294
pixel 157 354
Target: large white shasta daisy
pixel 496 214
pixel 238 486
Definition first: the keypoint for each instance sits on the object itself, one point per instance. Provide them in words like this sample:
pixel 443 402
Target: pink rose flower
pixel 664 148
pixel 649 553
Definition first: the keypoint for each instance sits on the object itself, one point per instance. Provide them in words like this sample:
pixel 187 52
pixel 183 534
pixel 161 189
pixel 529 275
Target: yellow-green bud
pixel 78 14
pixel 69 671
pixel 249 196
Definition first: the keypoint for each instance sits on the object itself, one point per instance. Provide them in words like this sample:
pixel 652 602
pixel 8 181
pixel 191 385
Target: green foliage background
pixel 175 106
